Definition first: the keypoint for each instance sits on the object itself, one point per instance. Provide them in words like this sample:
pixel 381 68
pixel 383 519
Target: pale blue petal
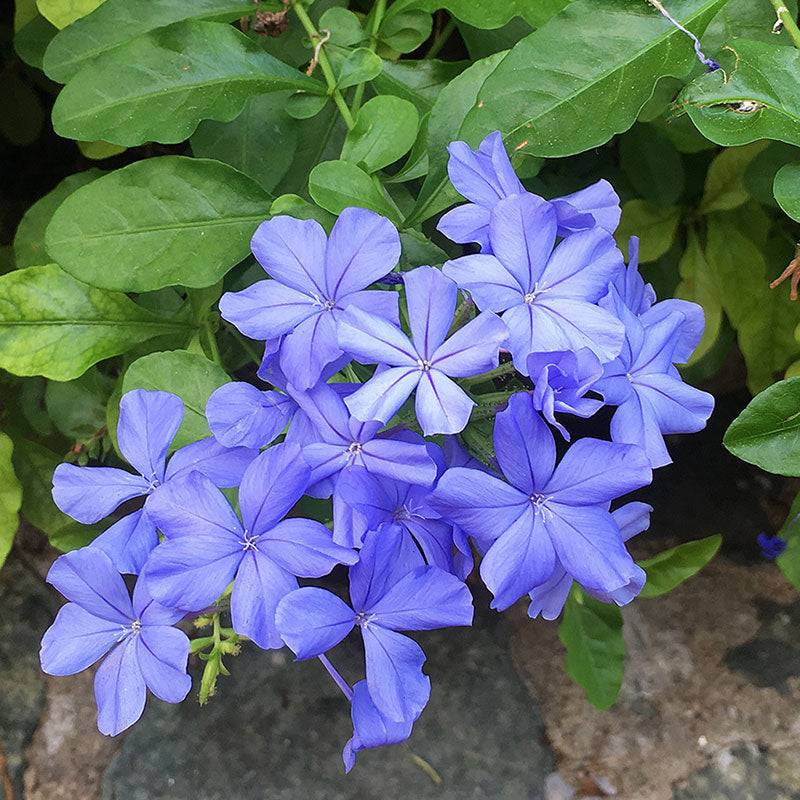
pixel 384 393
pixel 472 349
pixel 129 542
pixel 309 349
pixel 75 640
pixel 402 461
pixel 492 286
pixel 431 299
pixel 372 340
pixel 267 309
pixel 441 405
pixel 222 465
pixel 162 653
pixel 311 621
pixel 548 598
pixel 119 690
pixel 466 223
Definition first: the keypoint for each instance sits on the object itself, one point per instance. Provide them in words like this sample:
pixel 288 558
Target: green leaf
pixel 360 66
pixel 385 130
pixel 444 123
pixel 31 40
pixel 699 285
pixel 655 227
pixel 299 208
pixel 34 465
pixel 158 222
pixel 190 376
pixel 764 319
pixel 64 12
pixel 592 633
pixel 653 165
pixel 761 99
pixel 260 142
pixel 10 498
pixel 746 19
pixel 98 151
pixel 548 109
pixel 53 325
pixel 488 14
pixel 725 188
pixel 789 561
pixel 305 106
pixel 759 177
pixel 483 43
pixel 405 31
pixel 344 25
pixel 787 189
pixel 29 248
pixel 159 86
pixel 118 21
pixel 672 567
pixel 335 185
pixel 78 408
pixel 420 82
pixel 767 432
pixel 21 127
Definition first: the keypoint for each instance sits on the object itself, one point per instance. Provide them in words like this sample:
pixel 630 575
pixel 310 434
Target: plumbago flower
pixel 547 296
pixel 545 512
pixel 314 278
pixel 207 547
pixel 148 422
pixel 429 362
pixel 146 652
pixel 650 396
pixel 387 596
pixel 485 176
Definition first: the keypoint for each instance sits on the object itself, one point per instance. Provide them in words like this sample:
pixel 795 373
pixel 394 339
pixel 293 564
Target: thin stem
pixel 377 18
pixel 441 39
pixel 337 678
pixel 788 22
pixel 497 372
pixel 212 342
pixel 324 63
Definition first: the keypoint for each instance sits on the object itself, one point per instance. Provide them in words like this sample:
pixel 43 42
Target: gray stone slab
pixel 276 729
pixel 25 613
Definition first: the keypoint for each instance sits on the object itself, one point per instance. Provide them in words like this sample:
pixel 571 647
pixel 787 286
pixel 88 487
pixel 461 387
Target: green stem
pixel 377 18
pixel 324 63
pixel 785 16
pixel 441 39
pixel 212 342
pixel 497 372
pixel 246 346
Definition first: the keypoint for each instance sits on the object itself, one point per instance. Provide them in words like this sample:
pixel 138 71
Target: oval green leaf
pixel 361 65
pixel 10 498
pixel 787 189
pixel 190 376
pixel 335 185
pixel 159 86
pixel 53 325
pixel 158 222
pixel 767 432
pixel 672 567
pixel 385 130
pixel 551 103
pixel 760 100
pixel 117 21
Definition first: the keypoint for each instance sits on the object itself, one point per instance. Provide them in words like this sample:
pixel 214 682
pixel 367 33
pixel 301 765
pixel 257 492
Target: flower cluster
pixel 551 323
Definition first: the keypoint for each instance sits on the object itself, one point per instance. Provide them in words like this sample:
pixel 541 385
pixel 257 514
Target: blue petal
pixel 635 422
pixel 679 408
pixel 424 599
pixel 267 309
pixel 88 494
pixel 148 422
pixel 88 578
pixel 373 340
pixel 304 547
pixel 259 586
pixel 119 690
pixel 372 496
pixel 349 524
pixel 548 598
pixel 271 486
pixel 472 349
pixel 75 640
pixel 193 506
pixel 483 176
pixel 293 252
pixel 492 286
pixel 308 349
pixel 402 461
pixel 384 304
pixel 523 557
pixel 129 542
pixel 162 653
pixel 222 465
pixel 431 299
pixel 483 505
pixel 691 331
pixel 311 621
pixel 441 405
pixel 466 223
pixel 397 685
pixel 363 247
pixel 524 447
pixel 600 200
pixel 384 393
pixel 327 413
pixel 632 518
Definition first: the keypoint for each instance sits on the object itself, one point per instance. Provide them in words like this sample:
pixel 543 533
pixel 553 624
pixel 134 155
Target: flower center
pixel 324 303
pixel 424 365
pixel 629 376
pixel 539 503
pixel 353 451
pixel 248 542
pixel 529 297
pixel 401 512
pixel 136 626
pixel 362 618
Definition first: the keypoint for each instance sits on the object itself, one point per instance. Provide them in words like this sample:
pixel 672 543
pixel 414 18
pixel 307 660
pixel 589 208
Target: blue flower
pixel 146 651
pixel 148 422
pixel 549 597
pixel 561 379
pixel 386 598
pixel 485 176
pixel 426 364
pixel 548 296
pixel 207 547
pixel 545 512
pixel 313 279
pixel 650 396
pixel 771 546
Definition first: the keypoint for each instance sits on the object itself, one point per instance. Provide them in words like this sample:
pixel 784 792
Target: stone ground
pixel 709 710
